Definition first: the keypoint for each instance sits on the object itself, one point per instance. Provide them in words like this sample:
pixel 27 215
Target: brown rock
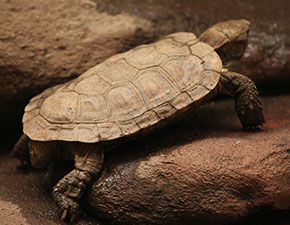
pixel 202 170
pixel 43 43
pixel 27 196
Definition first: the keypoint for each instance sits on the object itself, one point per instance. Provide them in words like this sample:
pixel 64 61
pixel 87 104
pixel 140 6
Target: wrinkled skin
pixel 229 39
pixel 88 160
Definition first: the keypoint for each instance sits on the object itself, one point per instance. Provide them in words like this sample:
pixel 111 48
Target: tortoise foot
pixel 249 109
pixel 68 191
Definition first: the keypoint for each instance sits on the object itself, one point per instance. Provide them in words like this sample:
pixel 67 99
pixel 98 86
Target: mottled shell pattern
pixel 126 93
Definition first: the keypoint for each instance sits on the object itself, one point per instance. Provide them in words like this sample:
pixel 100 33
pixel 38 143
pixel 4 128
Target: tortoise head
pixel 229 38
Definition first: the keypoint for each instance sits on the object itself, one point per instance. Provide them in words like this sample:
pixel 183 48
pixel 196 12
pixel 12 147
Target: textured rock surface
pixel 47 42
pixel 203 170
pixel 26 197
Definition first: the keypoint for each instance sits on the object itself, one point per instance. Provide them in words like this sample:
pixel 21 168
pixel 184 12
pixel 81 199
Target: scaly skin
pixel 229 39
pixel 68 190
pixel 88 163
pixel 247 104
pixel 88 160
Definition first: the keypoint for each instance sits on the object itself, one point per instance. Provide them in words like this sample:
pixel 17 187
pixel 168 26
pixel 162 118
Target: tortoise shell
pixel 126 93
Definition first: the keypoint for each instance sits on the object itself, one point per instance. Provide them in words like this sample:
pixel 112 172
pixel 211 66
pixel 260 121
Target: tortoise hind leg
pixel 21 151
pixel 66 193
pixel 247 104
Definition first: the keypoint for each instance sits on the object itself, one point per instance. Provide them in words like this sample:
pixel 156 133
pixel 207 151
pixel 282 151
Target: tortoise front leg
pixel 247 104
pixel 66 193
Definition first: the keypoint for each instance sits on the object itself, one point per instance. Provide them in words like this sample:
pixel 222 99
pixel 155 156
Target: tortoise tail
pixel 21 150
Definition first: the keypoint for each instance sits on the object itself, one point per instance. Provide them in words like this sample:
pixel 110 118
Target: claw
pixel 64 215
pixel 72 218
pixel 66 194
pixel 74 193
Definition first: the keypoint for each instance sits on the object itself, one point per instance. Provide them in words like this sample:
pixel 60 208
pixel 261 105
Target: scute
pixel 210 79
pixel 147 119
pixel 91 85
pixel 197 92
pixel 186 71
pixel 170 47
pixel 36 128
pixel 124 103
pixel 201 49
pixel 116 71
pixel 164 110
pixel 145 56
pixel 92 109
pixel 87 133
pixel 109 131
pixel 181 101
pixel 212 62
pixel 183 37
pixel 128 127
pixel 60 107
pixel 128 92
pixel 154 87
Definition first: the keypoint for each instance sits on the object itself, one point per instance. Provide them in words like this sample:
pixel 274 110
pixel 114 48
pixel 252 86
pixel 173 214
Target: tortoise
pixel 132 93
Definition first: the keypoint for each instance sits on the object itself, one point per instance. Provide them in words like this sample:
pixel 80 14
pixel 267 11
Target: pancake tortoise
pixel 131 93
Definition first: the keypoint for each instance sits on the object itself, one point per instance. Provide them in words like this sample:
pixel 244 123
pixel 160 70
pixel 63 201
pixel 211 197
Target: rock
pixel 201 170
pixel 27 196
pixel 43 43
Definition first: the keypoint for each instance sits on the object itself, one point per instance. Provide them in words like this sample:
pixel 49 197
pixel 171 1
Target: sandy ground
pixel 25 196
